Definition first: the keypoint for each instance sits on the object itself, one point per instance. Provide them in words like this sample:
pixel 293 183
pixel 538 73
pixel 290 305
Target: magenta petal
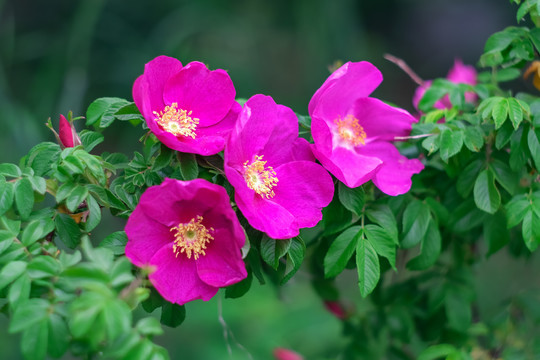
pixel 462 74
pixel 381 121
pixel 176 278
pixel 222 265
pixel 304 188
pixel 209 94
pixel 145 237
pixel 349 167
pixel 348 83
pixel 156 73
pixel 394 176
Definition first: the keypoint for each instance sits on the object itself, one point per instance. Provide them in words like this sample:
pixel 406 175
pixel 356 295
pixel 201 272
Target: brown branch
pixel 403 66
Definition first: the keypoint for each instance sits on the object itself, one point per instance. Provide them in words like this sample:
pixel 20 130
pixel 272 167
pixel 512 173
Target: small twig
pixel 412 137
pixel 403 66
pixel 228 333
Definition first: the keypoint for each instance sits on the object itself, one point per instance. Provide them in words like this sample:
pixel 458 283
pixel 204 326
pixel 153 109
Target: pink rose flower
pixel 458 74
pixel 352 131
pixel 279 187
pixel 286 354
pixel 189 108
pixel 189 234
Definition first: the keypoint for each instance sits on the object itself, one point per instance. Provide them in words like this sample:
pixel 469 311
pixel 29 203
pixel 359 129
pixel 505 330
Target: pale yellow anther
pixel 177 121
pixel 259 178
pixel 350 130
pixel 191 238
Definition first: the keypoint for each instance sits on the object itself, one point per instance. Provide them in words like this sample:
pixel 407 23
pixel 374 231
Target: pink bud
pixel 286 354
pixel 68 135
pixel 336 308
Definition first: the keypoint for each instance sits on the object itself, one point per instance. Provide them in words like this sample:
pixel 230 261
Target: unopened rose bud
pixel 286 354
pixel 336 308
pixel 67 134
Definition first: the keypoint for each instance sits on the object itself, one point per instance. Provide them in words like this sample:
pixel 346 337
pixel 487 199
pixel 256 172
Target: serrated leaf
pixel 438 88
pixel 466 179
pixel 58 340
pixel 172 315
pixel 67 230
pixel 450 143
pixel 431 143
pixel 430 249
pixel 34 340
pixel 382 242
pixel 10 170
pixel 415 223
pixel 90 139
pixel 19 291
pixel 240 288
pixel 486 194
pixel 295 257
pixel 24 197
pixel 272 250
pixel 534 147
pixel 35 230
pixel 473 138
pixel 42 156
pixel 38 184
pixel 94 214
pixel 505 176
pixel 367 263
pixel 516 209
pixel 335 217
pixel 531 230
pixel 28 314
pixel 188 166
pixel 515 112
pixel 101 112
pixel 116 242
pixel 6 196
pixel 499 41
pixel 149 326
pixel 11 271
pixel 352 199
pixel 383 216
pixel 43 266
pixel 500 112
pixel 76 197
pixel 64 190
pixel 340 251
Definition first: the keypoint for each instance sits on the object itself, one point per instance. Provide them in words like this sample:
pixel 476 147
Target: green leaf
pixel 149 326
pixel 473 138
pixel 10 170
pixel 534 147
pixel 117 318
pixel 382 242
pixel 240 288
pixel 486 195
pixel 172 315
pixel 94 214
pixel 340 251
pixel 272 250
pixel 24 197
pixel 100 112
pixel 90 139
pixel 500 112
pixel 163 159
pixel 415 223
pixel 523 9
pixel 34 341
pixel 188 166
pixel 67 230
pixel 42 156
pixel 58 340
pixel 116 242
pixel 129 112
pixel 515 112
pixel 495 232
pixel 437 351
pixel 503 136
pixel 430 249
pixel 382 215
pixel 295 257
pixel 367 263
pixel 11 271
pixel 516 209
pixel 352 199
pixel 335 217
pixel 6 196
pixel 35 230
pixel 438 88
pixel 19 291
pixel 451 142
pixel 43 266
pixel 518 150
pixel 466 179
pixel 76 197
pixel 499 41
pixel 505 176
pixel 28 314
pixel 38 184
pixel 431 143
pixel 64 190
pixel 531 230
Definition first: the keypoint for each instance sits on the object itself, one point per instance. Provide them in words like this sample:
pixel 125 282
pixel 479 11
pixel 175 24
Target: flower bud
pixel 286 354
pixel 67 134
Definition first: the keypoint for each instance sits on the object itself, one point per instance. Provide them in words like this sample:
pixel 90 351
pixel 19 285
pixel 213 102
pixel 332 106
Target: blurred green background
pixel 59 55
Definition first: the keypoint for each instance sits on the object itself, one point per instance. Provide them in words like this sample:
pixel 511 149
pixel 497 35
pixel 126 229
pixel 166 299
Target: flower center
pixel 176 121
pixel 191 238
pixel 259 178
pixel 350 130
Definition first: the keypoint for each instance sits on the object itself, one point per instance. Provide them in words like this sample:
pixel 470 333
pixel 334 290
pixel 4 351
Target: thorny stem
pixel 412 137
pixel 403 66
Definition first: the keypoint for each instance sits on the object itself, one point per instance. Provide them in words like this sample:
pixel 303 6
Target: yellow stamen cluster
pixel 350 130
pixel 260 178
pixel 191 238
pixel 177 121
